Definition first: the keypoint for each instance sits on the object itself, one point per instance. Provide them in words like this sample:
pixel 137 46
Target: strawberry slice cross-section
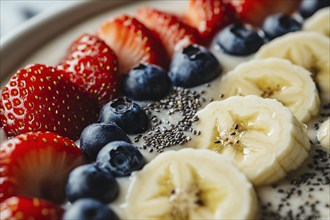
pixel 209 16
pixel 39 98
pixel 91 64
pixel 132 42
pixel 174 33
pixel 255 11
pixel 37 165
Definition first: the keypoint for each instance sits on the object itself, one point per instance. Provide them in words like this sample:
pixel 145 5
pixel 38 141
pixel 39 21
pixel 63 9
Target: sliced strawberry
pixel 255 11
pixel 37 98
pixel 132 42
pixel 173 33
pixel 91 64
pixel 1 110
pixel 29 208
pixel 209 16
pixel 37 165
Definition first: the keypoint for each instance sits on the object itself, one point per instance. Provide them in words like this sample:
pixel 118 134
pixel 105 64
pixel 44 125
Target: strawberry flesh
pixel 132 42
pixel 29 208
pixel 37 165
pixel 173 32
pixel 38 98
pixel 255 11
pixel 209 16
pixel 91 64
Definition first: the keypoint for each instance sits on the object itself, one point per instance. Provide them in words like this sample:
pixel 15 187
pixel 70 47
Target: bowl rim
pixel 47 25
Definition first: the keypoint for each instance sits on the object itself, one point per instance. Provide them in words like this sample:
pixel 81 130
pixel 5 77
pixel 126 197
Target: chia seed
pixel 182 101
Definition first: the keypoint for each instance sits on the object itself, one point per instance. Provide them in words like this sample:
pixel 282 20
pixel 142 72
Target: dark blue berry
pixel 239 40
pixel 92 181
pixel 89 209
pixel 126 114
pixel 279 24
pixel 193 66
pixel 147 82
pixel 96 136
pixel 121 158
pixel 309 7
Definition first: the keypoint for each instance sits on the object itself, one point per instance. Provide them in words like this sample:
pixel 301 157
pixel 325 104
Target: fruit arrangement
pixel 92 130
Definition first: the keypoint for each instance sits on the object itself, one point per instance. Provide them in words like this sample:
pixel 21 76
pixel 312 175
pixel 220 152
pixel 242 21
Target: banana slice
pixel 319 22
pixel 191 184
pixel 275 78
pixel 310 50
pixel 261 136
pixel 323 134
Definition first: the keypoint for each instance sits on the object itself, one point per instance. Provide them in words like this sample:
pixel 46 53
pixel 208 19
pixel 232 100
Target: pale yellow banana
pixel 261 136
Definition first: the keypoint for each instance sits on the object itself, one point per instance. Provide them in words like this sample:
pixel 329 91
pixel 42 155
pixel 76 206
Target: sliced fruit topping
pixel 126 114
pixel 91 64
pixel 121 158
pixel 37 165
pixel 89 209
pixel 239 40
pixel 307 49
pixel 255 11
pixel 261 136
pixel 275 78
pixel 190 184
pixel 29 208
pixel 92 181
pixel 173 33
pixel 209 16
pixel 1 110
pixel 319 22
pixel 309 7
pixel 279 24
pixel 147 82
pixel 38 98
pixel 193 66
pixel 323 134
pixel 95 136
pixel 132 42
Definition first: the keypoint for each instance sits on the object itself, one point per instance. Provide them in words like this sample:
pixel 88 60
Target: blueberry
pixel 126 114
pixel 239 40
pixel 193 66
pixel 92 181
pixel 279 24
pixel 96 136
pixel 89 209
pixel 309 7
pixel 147 82
pixel 121 158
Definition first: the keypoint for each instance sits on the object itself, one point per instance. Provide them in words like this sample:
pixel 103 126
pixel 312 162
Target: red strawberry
pixel 173 33
pixel 255 11
pixel 91 64
pixel 1 110
pixel 37 98
pixel 209 16
pixel 29 208
pixel 37 165
pixel 132 42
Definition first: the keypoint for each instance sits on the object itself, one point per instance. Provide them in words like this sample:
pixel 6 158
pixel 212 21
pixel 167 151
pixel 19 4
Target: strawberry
pixel 255 11
pixel 29 208
pixel 1 110
pixel 132 42
pixel 91 64
pixel 209 16
pixel 173 33
pixel 37 165
pixel 37 98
